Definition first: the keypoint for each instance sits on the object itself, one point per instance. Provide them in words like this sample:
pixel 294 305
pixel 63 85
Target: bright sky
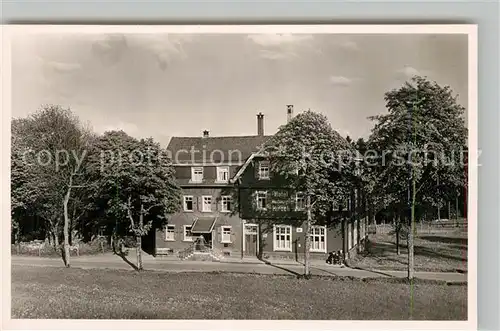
pixel 164 85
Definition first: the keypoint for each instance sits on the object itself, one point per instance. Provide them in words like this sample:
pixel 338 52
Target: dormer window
pixel 197 174
pixel 223 174
pixel 264 170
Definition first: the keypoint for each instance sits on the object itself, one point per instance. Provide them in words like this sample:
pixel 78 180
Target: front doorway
pixel 251 246
pixel 203 242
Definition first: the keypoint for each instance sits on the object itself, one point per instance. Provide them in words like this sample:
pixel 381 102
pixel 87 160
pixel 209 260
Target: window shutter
pixel 213 202
pixel 233 235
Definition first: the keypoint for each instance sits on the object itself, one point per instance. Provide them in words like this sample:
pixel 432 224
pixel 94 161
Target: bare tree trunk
pixel 53 234
pixel 66 225
pixel 398 232
pixel 56 240
pixel 139 239
pixel 449 210
pixel 260 240
pixel 307 262
pixel 70 231
pixel 411 258
pixel 439 201
pixel 398 250
pixel 372 212
pixel 138 249
pixel 357 219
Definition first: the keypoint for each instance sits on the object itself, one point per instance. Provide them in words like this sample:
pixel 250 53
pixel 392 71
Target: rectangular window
pixel 226 234
pixel 188 203
pixel 223 174
pixel 283 238
pixel 207 203
pixel 225 203
pixel 299 201
pixel 264 170
pixel 170 233
pixel 318 239
pixel 261 200
pixel 188 236
pixel 197 174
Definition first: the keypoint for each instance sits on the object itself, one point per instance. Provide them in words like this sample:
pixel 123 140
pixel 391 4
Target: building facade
pixel 230 206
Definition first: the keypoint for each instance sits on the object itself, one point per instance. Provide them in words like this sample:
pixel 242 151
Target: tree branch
pixel 148 209
pixel 129 211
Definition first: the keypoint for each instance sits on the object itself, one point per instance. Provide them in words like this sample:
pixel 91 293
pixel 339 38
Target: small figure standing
pixel 201 243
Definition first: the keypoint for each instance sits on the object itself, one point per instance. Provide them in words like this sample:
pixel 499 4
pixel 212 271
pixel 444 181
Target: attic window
pixel 223 174
pixel 197 174
pixel 263 170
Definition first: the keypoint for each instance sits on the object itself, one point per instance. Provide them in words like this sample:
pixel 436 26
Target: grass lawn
pixel 434 251
pixel 45 292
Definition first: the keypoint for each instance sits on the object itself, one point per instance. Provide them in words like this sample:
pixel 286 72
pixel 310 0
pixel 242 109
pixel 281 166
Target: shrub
pixel 98 245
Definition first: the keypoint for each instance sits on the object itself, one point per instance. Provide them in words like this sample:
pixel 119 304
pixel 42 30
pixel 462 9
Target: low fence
pixel 428 227
pixel 44 248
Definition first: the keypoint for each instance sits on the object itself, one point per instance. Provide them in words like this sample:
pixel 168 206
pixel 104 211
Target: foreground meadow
pixel 51 292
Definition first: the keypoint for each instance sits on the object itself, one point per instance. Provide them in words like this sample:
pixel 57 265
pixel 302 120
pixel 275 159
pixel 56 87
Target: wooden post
pixel 439 201
pixel 242 239
pixel 449 210
pixel 307 260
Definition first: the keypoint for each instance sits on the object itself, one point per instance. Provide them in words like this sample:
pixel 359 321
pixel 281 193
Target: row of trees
pixel 75 181
pixel 414 160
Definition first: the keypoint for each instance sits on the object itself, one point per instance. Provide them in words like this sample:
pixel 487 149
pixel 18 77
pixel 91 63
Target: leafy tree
pixel 50 148
pixel 137 188
pixel 421 139
pixel 317 165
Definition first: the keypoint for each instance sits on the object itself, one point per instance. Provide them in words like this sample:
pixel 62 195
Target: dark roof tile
pixel 214 149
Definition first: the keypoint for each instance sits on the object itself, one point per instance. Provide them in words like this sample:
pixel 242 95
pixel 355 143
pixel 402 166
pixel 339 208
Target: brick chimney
pixel 260 124
pixel 289 113
pixel 205 134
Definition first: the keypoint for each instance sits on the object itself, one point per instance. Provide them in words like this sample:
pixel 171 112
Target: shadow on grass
pixel 327 271
pixel 373 271
pixel 298 275
pixel 123 255
pixel 445 240
pixel 281 268
pixel 316 268
pixel 382 250
pixel 419 250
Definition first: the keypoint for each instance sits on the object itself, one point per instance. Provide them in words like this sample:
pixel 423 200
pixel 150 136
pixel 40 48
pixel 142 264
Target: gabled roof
pixel 214 149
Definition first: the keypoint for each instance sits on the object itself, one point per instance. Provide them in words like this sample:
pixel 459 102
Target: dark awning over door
pixel 203 225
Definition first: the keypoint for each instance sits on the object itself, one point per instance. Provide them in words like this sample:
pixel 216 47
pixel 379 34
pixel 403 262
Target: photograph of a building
pixel 232 228
pixel 240 173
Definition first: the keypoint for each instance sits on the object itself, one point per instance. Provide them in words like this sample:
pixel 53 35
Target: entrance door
pixel 251 240
pixel 203 242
